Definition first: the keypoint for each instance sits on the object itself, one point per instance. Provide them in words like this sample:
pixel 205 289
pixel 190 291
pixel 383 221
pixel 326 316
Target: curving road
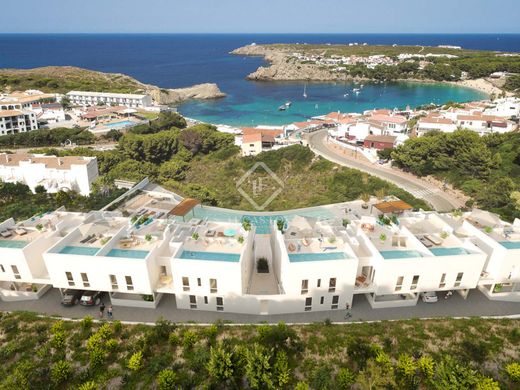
pixel 439 200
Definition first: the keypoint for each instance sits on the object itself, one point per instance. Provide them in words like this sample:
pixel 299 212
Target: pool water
pixel 449 251
pixel 302 257
pixel 396 254
pixel 128 253
pixel 263 222
pixel 510 244
pixel 79 250
pixel 116 125
pixel 16 244
pixel 210 256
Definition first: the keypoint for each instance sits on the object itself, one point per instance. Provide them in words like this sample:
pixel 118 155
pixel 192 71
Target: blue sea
pixel 179 60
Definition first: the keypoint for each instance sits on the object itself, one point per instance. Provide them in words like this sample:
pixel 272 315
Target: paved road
pixel 417 187
pixel 475 305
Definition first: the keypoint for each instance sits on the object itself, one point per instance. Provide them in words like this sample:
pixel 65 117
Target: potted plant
pixel 39 227
pixel 345 222
pixel 488 229
pixel 246 224
pixel 148 237
pixel 497 288
pixel 382 237
pixel 445 235
pixel 365 197
pixel 34 288
pixel 280 224
pixel 240 239
pixel 195 236
pixel 332 240
pixel 262 266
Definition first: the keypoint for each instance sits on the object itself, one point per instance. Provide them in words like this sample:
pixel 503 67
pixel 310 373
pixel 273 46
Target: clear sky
pixel 261 16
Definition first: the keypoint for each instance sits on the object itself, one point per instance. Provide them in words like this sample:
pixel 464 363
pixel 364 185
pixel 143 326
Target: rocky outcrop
pixel 172 96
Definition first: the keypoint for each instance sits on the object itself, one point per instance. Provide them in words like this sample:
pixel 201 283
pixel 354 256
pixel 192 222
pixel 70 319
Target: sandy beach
pixel 482 85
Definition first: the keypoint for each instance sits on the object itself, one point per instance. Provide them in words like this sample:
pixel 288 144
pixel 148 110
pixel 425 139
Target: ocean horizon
pixel 180 60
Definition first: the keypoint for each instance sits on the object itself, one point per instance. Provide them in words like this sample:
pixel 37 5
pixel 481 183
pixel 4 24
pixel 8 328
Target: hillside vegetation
pixel 41 353
pixel 486 168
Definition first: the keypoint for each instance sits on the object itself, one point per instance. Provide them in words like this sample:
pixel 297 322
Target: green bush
pixel 135 363
pixel 345 378
pixel 167 380
pixel 61 371
pixel 513 371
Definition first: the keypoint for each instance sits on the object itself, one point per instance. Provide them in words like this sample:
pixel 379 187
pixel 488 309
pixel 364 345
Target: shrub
pixel 345 378
pixel 513 371
pixel 195 236
pixel 61 371
pixel 189 338
pixel 58 340
pixel 86 323
pixel 174 339
pixel 167 380
pixel 240 239
pixel 301 386
pixel 117 326
pixel 90 385
pixel 97 357
pixel 136 361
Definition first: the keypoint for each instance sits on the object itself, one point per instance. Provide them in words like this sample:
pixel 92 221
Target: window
pixel 16 272
pixel 163 270
pixel 205 300
pixel 305 286
pixel 319 283
pixel 442 284
pixel 459 279
pixel 213 286
pixel 332 285
pixel 84 279
pixel 70 279
pixel 335 301
pixel 193 302
pixel 199 282
pixel 129 283
pixel 415 280
pixel 2 268
pixel 185 284
pixel 113 282
pixel 399 284
pixel 322 300
pixel 308 304
pixel 220 304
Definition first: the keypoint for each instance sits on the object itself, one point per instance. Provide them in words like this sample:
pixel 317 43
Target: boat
pixel 345 95
pixel 316 106
pixel 305 91
pixel 288 104
pixel 283 107
pixel 355 90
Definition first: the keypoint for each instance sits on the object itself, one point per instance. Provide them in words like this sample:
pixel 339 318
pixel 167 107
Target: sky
pixel 260 16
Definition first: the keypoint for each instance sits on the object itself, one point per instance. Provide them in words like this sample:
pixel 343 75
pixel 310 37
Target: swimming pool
pixel 302 257
pixel 128 253
pixel 117 125
pixel 14 244
pixel 396 254
pixel 449 251
pixel 79 250
pixel 510 244
pixel 210 256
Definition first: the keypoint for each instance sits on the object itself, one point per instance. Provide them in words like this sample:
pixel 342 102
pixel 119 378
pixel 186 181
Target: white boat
pixel 288 104
pixel 305 91
pixel 283 107
pixel 345 95
pixel 355 90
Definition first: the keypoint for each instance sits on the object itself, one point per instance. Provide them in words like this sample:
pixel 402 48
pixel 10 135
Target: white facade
pixel 506 108
pixel 81 98
pixel 16 121
pixel 315 264
pixel 53 173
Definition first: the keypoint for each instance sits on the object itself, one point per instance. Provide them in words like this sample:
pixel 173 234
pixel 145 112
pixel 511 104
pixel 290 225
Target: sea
pixel 180 60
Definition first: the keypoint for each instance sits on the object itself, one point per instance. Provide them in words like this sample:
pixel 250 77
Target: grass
pixel 316 352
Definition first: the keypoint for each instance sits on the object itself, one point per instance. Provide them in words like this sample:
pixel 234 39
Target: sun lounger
pixel 425 242
pixel 6 234
pixel 395 241
pixel 210 233
pixel 92 240
pixel 88 238
pixel 20 231
pixel 433 240
pixel 329 248
pixel 402 241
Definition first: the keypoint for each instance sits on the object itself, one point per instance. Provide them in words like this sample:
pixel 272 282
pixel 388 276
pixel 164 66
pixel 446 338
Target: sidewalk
pixel 475 305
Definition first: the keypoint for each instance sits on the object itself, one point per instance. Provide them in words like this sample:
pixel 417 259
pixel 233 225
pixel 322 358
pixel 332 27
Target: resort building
pixel 69 173
pixel 82 98
pixel 16 121
pixel 435 123
pixel 316 259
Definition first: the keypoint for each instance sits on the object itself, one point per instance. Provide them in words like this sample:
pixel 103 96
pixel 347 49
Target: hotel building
pixel 81 98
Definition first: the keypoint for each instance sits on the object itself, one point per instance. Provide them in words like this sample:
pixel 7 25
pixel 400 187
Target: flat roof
pixel 184 207
pixel 106 94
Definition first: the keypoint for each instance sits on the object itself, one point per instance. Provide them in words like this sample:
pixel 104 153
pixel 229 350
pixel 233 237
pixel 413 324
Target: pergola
pixel 184 208
pixel 395 206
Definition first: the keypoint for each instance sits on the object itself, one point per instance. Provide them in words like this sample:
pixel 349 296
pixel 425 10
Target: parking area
pixel 475 305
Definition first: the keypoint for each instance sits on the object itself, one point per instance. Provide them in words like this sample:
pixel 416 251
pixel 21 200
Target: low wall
pixel 134 300
pixel 8 295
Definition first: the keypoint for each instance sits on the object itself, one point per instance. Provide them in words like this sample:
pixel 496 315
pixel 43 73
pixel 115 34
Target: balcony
pixel 363 285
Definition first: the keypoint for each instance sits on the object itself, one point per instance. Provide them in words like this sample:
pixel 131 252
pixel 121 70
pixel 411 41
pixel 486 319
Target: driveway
pixel 475 305
pixel 417 187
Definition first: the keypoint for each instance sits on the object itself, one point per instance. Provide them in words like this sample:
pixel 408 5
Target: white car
pixel 429 297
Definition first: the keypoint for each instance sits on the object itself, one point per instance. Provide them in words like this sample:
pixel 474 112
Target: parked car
pixel 71 297
pixel 90 298
pixel 429 297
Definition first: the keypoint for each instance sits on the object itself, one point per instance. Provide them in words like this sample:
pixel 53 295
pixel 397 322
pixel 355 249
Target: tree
pixel 174 169
pixel 220 365
pixel 39 189
pixel 258 367
pixel 167 380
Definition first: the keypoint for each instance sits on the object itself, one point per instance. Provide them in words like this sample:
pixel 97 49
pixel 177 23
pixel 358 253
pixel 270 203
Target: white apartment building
pixel 16 121
pixel 69 173
pixel 82 98
pixel 214 262
pixel 505 108
pixel 432 123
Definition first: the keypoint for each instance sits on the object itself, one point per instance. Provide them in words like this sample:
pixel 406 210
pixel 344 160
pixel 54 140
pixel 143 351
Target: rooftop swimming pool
pixel 79 250
pixel 210 256
pixel 13 244
pixel 449 251
pixel 510 244
pixel 128 253
pixel 117 125
pixel 396 254
pixel 303 257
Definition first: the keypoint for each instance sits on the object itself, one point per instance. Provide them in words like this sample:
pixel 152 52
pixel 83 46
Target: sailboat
pixel 305 91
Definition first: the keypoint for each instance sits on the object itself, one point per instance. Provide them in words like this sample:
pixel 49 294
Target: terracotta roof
pixel 184 207
pixel 393 206
pixel 253 130
pixel 381 138
pixel 389 118
pixel 49 161
pixel 250 138
pixel 8 113
pixel 436 120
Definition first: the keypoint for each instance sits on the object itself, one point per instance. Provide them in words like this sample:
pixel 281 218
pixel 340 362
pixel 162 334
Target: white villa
pixel 215 259
pixel 53 173
pixel 82 98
